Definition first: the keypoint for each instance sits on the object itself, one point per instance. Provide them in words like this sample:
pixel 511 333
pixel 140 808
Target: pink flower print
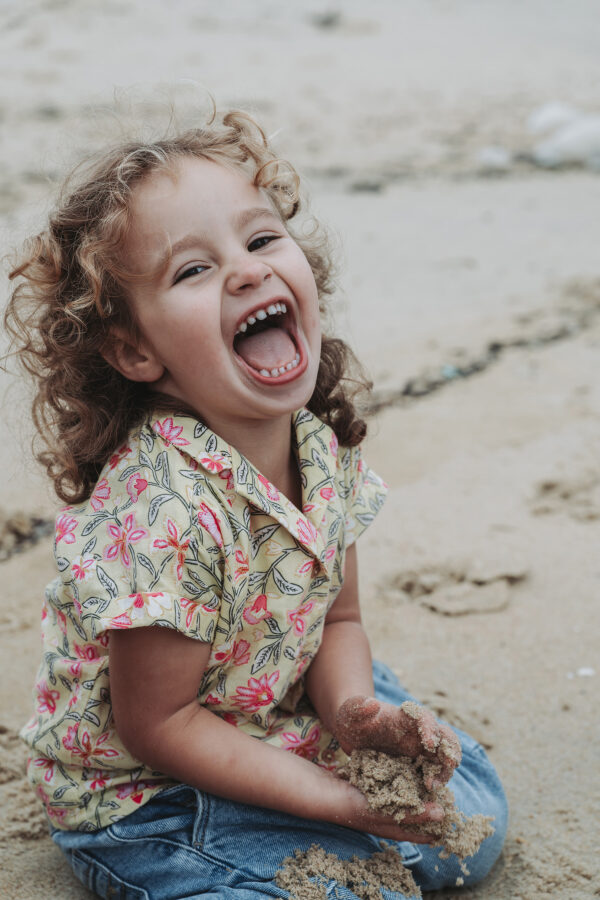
pixel 61 621
pixel 330 552
pixel 48 764
pixel 69 738
pixel 307 531
pixel 56 813
pixel 100 779
pixel 258 611
pixel 88 652
pixel 241 653
pixel 82 567
pixel 119 458
pixel 258 692
pixel 231 718
pixel 227 476
pixel 74 698
pixel 86 749
pixel 213 700
pixel 46 698
pixel 135 605
pixel 170 433
pixel 224 653
pixel 242 564
pixel 296 616
pixel 101 493
pixel 190 607
pixel 327 493
pixel 136 486
pixel 210 523
pixel 333 445
pixel 214 462
pixel 307 567
pixel 65 526
pixel 307 747
pixel 135 790
pixel 172 542
pixel 271 491
pixel 123 536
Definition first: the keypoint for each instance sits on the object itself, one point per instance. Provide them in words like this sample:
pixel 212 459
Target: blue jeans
pixel 185 843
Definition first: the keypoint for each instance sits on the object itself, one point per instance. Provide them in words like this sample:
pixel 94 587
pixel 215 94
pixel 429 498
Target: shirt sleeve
pixel 153 564
pixel 362 490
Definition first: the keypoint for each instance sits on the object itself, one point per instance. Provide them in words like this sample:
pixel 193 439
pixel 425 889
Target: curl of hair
pixel 71 292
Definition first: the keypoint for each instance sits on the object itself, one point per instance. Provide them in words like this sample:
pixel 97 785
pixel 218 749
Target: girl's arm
pixel 154 678
pixel 339 683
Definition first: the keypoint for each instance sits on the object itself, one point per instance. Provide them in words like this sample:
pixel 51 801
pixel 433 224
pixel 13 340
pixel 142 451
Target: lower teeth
pixel 274 373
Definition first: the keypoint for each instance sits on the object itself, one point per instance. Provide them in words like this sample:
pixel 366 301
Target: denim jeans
pixel 185 843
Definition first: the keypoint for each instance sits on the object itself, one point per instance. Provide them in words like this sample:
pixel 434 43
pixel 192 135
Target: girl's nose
pixel 247 271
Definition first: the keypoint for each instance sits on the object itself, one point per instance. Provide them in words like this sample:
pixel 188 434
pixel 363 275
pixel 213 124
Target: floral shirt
pixel 182 531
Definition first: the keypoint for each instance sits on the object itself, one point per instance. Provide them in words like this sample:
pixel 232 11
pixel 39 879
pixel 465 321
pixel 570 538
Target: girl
pixel 206 441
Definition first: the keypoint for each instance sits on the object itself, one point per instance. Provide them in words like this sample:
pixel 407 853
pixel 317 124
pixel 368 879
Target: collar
pixel 316 449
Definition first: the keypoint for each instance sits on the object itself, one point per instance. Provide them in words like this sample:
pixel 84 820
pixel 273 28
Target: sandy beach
pixel 453 149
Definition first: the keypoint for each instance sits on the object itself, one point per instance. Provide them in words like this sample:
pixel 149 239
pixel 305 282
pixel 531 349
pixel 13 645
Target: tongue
pixel 268 349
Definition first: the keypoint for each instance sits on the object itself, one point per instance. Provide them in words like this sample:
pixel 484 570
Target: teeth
pixel 273 309
pixel 281 370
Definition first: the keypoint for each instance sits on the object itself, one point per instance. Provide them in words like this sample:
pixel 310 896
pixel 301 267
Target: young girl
pixel 205 438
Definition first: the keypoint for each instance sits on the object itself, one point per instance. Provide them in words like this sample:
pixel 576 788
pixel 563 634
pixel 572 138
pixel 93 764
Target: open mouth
pixel 267 344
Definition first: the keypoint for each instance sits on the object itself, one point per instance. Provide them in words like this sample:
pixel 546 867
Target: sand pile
pixel 395 786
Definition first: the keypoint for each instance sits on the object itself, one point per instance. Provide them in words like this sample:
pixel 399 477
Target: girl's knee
pixel 478 791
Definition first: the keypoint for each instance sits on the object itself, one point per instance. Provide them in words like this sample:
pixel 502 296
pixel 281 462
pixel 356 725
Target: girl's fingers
pixel 433 814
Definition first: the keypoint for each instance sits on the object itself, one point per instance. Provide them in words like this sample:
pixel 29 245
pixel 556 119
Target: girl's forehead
pixel 193 194
pixel 197 179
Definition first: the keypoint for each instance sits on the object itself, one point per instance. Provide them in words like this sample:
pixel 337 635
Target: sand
pixel 395 786
pixel 472 295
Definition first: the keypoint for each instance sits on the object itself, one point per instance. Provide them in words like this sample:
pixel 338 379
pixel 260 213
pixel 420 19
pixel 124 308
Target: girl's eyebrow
pixel 244 218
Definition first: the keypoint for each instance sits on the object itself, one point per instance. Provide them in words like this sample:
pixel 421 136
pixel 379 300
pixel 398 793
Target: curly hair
pixel 71 292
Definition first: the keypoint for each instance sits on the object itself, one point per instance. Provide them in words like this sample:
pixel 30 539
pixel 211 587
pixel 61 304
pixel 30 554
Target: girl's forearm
pixel 198 748
pixel 341 669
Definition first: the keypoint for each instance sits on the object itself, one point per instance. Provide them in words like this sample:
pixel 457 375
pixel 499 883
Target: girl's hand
pixel 352 810
pixel 408 730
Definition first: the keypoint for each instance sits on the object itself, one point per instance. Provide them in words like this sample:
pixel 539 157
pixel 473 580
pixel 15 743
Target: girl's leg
pixel 476 788
pixel 188 844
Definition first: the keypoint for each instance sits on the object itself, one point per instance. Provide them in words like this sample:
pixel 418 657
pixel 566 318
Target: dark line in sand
pixel 575 320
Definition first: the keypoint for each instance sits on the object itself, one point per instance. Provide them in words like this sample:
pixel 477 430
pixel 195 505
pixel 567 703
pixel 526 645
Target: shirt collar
pixel 316 448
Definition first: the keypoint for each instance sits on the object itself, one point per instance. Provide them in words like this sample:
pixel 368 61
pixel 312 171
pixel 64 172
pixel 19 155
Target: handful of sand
pixel 394 785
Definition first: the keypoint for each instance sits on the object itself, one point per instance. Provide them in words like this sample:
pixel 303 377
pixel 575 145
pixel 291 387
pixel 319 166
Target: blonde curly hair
pixel 71 292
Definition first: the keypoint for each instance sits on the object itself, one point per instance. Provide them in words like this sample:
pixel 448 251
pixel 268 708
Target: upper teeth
pixel 274 309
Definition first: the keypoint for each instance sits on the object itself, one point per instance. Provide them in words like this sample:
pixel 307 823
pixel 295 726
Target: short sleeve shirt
pixel 183 532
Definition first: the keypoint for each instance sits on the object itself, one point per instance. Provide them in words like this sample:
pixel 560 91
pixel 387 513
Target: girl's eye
pixel 188 273
pixel 262 241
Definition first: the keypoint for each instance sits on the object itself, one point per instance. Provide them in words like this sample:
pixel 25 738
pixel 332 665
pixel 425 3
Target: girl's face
pixel 230 325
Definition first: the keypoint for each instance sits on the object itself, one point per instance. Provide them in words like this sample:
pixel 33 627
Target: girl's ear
pixel 134 361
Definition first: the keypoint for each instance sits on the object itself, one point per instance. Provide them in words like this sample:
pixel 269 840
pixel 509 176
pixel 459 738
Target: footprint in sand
pixel 481 587
pixel 579 497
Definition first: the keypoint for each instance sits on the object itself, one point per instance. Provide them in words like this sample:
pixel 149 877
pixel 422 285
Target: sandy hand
pixel 408 730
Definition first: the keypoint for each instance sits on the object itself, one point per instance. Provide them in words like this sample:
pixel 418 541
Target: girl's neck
pixel 268 446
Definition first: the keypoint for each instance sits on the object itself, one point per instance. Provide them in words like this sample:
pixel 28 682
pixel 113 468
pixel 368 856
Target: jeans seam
pixel 95 865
